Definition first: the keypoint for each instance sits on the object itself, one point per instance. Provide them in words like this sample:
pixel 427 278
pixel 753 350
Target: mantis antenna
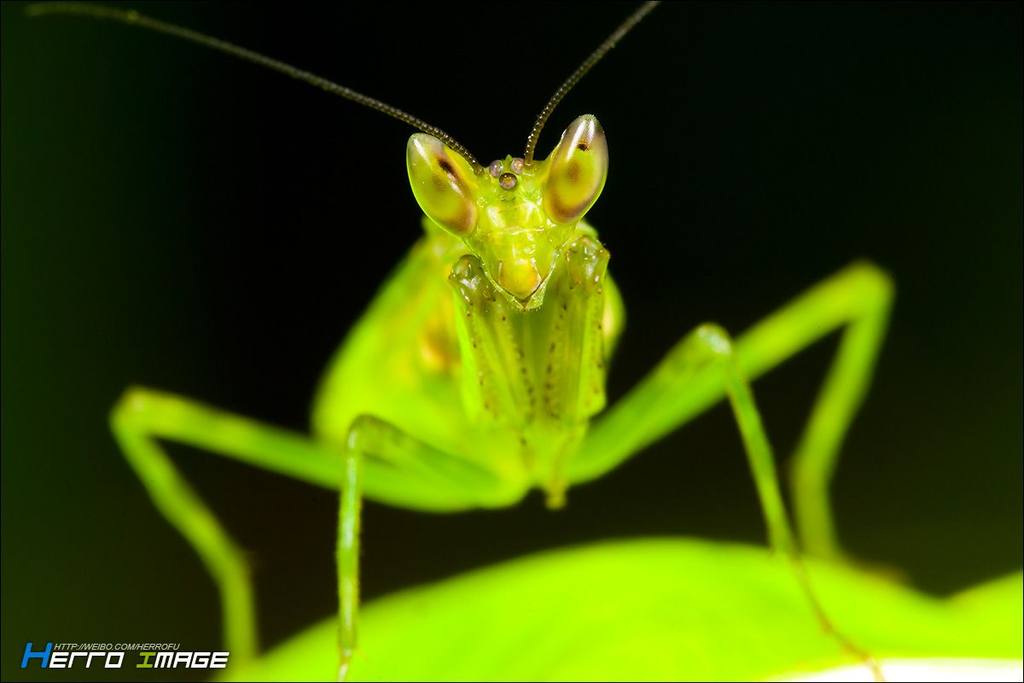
pixel 588 63
pixel 134 18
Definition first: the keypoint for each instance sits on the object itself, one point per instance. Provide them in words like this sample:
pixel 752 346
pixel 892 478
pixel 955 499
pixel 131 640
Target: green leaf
pixel 650 609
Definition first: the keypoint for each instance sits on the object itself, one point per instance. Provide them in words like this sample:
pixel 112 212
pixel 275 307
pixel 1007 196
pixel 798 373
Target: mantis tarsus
pixel 478 372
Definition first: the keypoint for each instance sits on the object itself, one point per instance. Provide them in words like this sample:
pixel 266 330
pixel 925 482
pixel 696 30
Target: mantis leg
pixel 371 439
pixel 142 417
pixel 708 355
pixel 858 299
pixel 707 365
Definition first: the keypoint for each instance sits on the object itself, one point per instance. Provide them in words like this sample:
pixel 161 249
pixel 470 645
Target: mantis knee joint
pixel 875 283
pixel 714 339
pixel 362 431
pixel 132 408
pixel 708 344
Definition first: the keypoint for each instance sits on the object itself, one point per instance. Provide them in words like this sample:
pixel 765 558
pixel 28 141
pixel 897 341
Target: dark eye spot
pixel 584 146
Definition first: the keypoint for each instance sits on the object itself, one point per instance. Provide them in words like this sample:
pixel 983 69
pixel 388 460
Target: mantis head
pixel 515 217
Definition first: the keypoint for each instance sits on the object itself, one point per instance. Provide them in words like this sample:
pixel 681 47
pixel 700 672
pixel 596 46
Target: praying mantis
pixel 478 372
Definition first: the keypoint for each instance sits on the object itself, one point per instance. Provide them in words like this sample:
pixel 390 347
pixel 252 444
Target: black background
pixel 175 218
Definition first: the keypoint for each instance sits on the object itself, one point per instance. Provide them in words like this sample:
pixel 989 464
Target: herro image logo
pixel 112 656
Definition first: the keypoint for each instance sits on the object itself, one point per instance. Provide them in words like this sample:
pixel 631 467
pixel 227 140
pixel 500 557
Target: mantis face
pixel 515 218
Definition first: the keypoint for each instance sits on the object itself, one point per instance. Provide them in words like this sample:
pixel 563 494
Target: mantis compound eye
pixel 443 183
pixel 577 169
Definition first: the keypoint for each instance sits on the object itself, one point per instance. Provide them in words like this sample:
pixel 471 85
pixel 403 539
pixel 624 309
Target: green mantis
pixel 478 372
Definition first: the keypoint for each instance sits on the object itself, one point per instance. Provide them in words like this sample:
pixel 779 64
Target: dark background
pixel 176 218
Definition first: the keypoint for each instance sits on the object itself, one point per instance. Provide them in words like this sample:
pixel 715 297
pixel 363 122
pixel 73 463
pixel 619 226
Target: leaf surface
pixel 650 609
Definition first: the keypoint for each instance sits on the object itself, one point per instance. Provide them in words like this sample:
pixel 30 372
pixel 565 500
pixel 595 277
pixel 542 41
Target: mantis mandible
pixel 478 372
